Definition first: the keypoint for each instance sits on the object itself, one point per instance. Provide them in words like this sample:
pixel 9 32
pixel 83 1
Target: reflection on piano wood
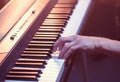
pixel 29 56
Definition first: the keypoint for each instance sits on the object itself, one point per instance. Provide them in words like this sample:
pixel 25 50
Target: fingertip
pixel 66 56
pixel 55 47
pixel 60 57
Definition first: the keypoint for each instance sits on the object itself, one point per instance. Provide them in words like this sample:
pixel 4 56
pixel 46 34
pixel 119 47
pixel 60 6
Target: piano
pixel 28 31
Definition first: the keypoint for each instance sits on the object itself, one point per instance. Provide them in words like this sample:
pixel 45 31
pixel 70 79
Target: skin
pixel 77 43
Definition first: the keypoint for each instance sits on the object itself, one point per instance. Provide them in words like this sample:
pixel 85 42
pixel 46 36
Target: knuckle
pixel 72 49
pixel 61 39
pixel 66 45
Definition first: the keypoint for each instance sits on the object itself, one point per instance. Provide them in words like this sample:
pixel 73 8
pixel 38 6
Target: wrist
pixel 109 46
pixel 101 45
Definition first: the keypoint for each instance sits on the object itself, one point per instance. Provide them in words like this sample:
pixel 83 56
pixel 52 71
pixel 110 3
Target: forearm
pixel 110 47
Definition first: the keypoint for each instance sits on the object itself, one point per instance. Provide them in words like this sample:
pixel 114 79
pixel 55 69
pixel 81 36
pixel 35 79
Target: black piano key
pixel 45 35
pixel 32 45
pixel 58 20
pixel 36 56
pixel 61 10
pixel 68 5
pixel 35 52
pixel 45 38
pixel 26 69
pixel 67 1
pixel 37 49
pixel 58 16
pixel 24 73
pixel 32 60
pixel 53 24
pixel 30 64
pixel 48 33
pixel 42 42
pixel 22 77
pixel 51 27
pixel 55 20
pixel 49 30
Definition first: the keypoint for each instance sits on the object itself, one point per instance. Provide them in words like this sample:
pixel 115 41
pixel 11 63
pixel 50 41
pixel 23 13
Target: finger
pixel 72 51
pixel 60 43
pixel 66 48
pixel 56 45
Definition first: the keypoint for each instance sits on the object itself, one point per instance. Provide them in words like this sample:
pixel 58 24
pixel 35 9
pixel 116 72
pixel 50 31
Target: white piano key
pixel 77 18
pixel 51 73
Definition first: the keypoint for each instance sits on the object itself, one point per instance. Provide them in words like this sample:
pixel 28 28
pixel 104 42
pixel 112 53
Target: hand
pixel 76 43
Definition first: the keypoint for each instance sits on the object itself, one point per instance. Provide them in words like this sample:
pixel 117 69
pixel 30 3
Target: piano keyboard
pixel 37 63
pixel 37 54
